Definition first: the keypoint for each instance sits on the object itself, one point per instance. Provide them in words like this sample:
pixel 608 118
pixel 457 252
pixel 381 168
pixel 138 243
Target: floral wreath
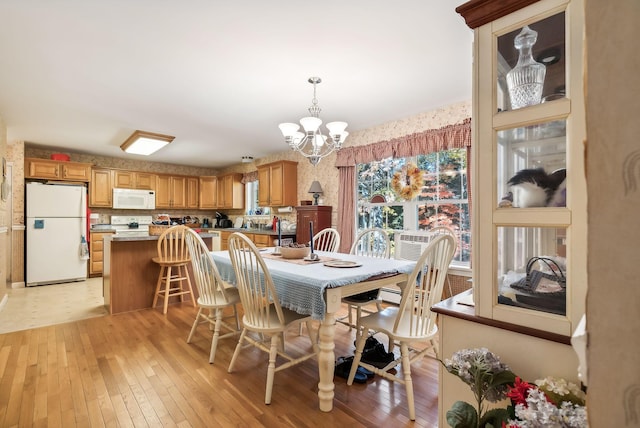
pixel 407 182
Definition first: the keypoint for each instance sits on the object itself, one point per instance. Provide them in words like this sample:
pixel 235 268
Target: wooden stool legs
pixel 165 289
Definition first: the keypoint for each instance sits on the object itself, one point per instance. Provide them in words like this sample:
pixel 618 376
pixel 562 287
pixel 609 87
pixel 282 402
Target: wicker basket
pixel 157 229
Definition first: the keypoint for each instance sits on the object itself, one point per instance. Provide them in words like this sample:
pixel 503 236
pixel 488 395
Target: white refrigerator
pixel 56 233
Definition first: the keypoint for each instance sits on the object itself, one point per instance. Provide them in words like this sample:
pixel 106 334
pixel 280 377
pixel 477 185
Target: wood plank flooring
pixel 136 370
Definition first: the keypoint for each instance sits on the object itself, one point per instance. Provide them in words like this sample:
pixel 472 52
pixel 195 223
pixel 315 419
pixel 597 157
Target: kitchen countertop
pixel 212 234
pixel 206 232
pixel 254 231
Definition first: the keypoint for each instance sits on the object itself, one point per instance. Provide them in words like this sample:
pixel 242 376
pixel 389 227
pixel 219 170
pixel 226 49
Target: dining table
pixel 317 287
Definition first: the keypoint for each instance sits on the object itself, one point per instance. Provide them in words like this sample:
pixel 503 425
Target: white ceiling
pixel 82 75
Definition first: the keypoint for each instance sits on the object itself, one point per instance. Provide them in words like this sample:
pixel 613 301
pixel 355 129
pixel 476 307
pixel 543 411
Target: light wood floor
pixel 136 370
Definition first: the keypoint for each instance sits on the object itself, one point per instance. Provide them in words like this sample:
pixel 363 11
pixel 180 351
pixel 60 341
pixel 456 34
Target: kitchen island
pixel 129 274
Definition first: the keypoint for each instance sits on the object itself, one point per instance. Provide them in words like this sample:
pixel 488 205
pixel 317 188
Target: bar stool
pixel 173 258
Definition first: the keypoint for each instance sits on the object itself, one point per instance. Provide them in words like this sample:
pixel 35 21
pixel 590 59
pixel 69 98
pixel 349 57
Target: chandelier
pixel 312 143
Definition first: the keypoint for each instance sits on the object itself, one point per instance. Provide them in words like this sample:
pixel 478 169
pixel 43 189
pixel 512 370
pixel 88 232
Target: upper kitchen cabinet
pixel 57 170
pixel 230 191
pixel 134 180
pixel 100 187
pixel 529 133
pixel 208 191
pixel 193 184
pixel 171 191
pixel 278 184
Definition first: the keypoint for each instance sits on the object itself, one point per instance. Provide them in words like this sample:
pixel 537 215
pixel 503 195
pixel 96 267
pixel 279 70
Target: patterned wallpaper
pixel 4 216
pixel 325 172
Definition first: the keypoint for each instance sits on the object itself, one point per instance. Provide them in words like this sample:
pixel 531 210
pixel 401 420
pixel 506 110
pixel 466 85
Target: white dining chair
pixel 372 242
pixel 326 240
pixel 214 294
pixel 412 321
pixel 444 230
pixel 263 314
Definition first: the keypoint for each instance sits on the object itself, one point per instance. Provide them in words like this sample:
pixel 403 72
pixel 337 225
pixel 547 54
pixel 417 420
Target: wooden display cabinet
pixel 547 133
pixel 319 215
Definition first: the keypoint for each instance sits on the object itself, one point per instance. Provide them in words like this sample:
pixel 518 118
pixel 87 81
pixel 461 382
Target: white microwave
pixel 134 199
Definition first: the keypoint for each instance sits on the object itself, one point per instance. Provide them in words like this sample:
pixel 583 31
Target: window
pixel 251 195
pixel 442 198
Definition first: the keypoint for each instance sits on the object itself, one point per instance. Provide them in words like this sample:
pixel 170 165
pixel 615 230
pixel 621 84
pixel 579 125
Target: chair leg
pixel 312 336
pixel 408 383
pixel 195 324
pixel 235 313
pixel 158 285
pixel 216 336
pixel 361 339
pixel 237 351
pixel 351 316
pixel 271 370
pixel 193 298
pixel 167 287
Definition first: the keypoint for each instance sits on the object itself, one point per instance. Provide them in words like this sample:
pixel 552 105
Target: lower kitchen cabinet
pixel 261 240
pixel 97 253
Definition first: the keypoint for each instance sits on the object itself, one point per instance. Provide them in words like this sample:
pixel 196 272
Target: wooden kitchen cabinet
pixel 263 241
pixel 319 215
pixel 57 170
pixel 100 188
pixel 278 184
pixel 171 191
pixel 224 240
pixel 193 184
pixel 208 193
pixel 134 180
pixel 230 191
pixel 97 253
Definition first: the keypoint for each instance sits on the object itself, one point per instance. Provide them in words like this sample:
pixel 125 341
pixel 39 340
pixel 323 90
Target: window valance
pixel 433 140
pixel 249 176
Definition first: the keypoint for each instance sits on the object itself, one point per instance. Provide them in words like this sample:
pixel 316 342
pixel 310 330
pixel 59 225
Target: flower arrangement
pixel 407 182
pixel 488 379
pixel 549 402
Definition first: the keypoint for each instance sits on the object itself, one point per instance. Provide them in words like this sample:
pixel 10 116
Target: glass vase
pixel 526 80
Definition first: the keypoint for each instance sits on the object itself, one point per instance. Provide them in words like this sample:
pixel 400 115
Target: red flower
pixel 519 392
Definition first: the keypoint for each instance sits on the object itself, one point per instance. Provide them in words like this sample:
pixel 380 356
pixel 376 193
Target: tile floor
pixel 44 305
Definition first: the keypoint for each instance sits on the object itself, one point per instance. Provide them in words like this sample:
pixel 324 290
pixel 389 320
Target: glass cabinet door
pixel 529 132
pixel 531 64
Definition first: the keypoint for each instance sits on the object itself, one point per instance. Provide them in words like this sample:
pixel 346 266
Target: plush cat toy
pixel 536 188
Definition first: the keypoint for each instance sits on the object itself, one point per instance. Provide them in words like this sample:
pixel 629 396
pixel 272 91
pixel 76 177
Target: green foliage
pixel 462 415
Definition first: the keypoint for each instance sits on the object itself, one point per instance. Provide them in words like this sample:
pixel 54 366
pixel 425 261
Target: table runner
pixel 297 261
pixel 301 287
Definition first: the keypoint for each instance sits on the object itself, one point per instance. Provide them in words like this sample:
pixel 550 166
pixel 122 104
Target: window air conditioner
pixel 409 245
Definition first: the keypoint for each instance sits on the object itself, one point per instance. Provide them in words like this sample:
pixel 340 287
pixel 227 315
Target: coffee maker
pixel 222 220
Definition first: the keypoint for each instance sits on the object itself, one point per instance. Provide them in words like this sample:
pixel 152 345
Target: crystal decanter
pixel 526 80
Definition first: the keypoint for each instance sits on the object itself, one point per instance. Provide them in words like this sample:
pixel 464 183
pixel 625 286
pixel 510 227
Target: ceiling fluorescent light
pixel 145 143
